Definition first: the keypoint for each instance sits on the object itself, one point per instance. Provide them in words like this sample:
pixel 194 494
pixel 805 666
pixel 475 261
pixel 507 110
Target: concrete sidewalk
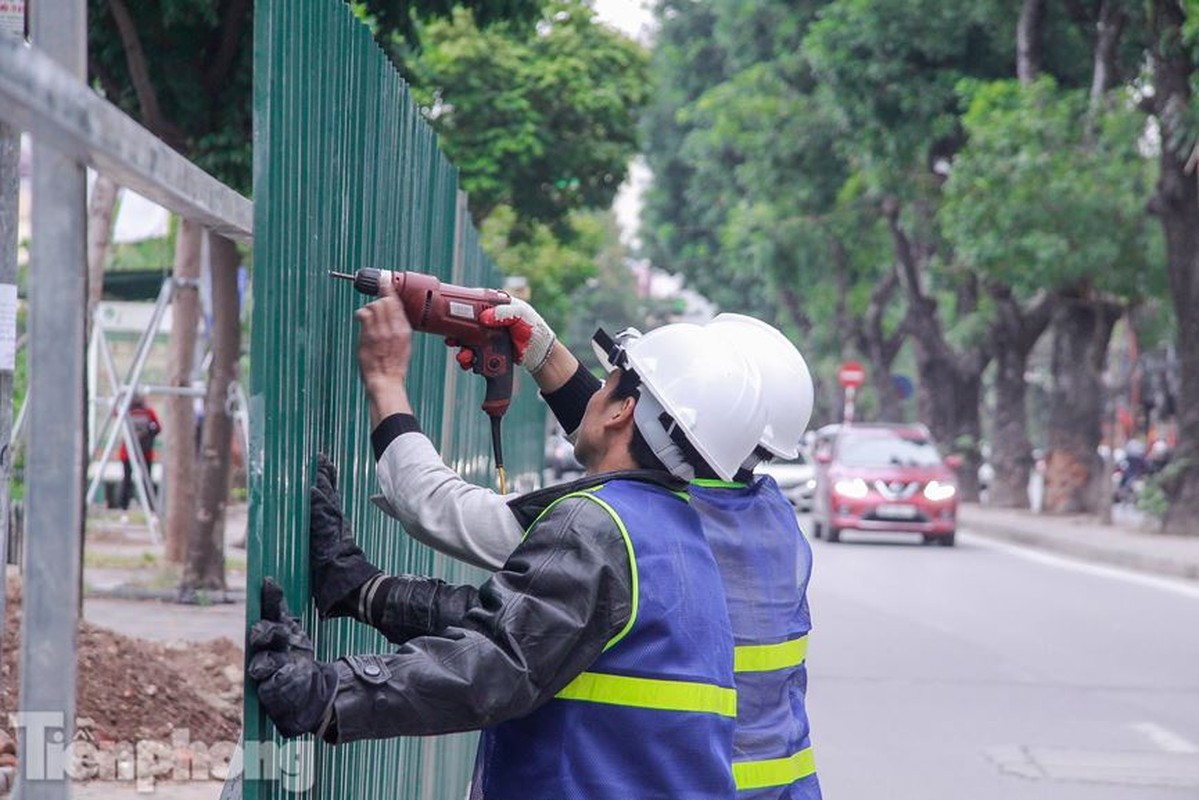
pixel 1128 543
pixel 121 560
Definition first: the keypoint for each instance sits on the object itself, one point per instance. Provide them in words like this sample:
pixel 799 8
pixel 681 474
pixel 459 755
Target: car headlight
pixel 853 488
pixel 811 484
pixel 938 491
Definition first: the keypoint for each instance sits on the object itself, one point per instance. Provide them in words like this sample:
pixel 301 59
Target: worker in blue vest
pixel 607 618
pixel 764 559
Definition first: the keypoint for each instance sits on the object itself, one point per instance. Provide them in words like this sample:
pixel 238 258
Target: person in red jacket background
pixel 145 427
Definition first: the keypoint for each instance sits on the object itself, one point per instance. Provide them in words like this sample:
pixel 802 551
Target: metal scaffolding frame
pixel 43 92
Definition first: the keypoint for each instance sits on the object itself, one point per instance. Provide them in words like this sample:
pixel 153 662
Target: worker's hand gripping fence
pixel 348 175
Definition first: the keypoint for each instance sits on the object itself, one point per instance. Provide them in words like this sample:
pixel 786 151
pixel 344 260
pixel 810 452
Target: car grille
pixel 897 490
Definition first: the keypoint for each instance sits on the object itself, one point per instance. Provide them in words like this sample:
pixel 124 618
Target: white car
pixel 796 477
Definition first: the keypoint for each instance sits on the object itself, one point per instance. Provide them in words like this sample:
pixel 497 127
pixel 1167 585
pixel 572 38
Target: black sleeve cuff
pixel 570 401
pixel 387 430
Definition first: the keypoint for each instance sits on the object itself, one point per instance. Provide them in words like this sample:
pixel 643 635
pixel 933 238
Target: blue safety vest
pixel 653 717
pixel 765 563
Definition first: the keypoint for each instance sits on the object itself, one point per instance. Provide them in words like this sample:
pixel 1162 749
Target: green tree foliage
pixel 686 62
pixel 397 25
pixel 544 120
pixel 554 266
pixel 183 68
pixel 541 119
pixel 1033 204
pixel 891 67
pixel 542 124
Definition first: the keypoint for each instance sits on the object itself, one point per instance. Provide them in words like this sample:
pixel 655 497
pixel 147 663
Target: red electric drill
pixel 453 312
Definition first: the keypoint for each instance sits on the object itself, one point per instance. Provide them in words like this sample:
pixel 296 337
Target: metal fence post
pixel 58 305
pixel 10 222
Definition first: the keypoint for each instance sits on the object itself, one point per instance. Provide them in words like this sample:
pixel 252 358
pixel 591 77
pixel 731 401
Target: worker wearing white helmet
pixel 773 747
pixel 608 613
pixel 751 528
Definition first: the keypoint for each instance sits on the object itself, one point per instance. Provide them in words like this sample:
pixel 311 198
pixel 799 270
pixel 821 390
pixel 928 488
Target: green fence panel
pixel 348 175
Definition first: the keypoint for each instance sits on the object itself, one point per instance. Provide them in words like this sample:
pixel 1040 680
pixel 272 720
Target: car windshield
pixel 887 451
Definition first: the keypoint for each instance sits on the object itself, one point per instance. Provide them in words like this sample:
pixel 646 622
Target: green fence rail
pixel 348 175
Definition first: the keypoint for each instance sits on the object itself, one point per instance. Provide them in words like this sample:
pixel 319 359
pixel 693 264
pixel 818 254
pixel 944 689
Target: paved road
pixel 988 672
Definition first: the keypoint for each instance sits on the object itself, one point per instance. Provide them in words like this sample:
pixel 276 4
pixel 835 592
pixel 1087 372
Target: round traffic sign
pixel 851 375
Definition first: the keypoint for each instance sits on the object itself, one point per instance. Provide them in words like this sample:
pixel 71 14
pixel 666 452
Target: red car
pixel 881 477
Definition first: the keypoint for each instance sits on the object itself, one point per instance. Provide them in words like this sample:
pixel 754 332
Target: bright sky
pixel 631 16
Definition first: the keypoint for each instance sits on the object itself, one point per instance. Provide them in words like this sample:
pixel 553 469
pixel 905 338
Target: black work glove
pixel 294 689
pixel 339 567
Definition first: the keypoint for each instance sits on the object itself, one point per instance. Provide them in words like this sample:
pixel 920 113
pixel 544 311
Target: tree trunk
pixel 949 406
pixel 880 348
pixel 1176 204
pixel 1074 477
pixel 1015 333
pixel 180 423
pixel 1011 451
pixel 205 568
pixel 950 380
pixel 99 237
pixel 1109 28
pixel 1029 40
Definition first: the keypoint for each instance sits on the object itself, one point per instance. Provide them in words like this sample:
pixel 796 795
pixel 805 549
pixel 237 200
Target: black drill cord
pixel 497 449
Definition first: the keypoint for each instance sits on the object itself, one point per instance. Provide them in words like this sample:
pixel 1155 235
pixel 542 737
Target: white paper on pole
pixel 8 327
pixel 12 17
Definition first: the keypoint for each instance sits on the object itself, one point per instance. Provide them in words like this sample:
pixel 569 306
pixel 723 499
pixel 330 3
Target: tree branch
pixel 795 309
pixel 904 251
pixel 1036 318
pixel 112 90
pixel 139 76
pixel 233 22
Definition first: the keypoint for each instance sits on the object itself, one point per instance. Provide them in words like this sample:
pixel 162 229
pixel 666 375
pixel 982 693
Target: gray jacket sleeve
pixel 440 509
pixel 531 629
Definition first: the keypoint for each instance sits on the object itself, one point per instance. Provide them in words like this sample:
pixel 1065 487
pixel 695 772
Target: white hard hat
pixel 786 382
pixel 698 385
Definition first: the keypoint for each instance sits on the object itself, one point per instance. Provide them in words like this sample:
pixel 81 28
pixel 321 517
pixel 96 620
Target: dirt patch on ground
pixel 131 689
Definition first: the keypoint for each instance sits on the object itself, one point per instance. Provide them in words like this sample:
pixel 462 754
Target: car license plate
pixel 896 511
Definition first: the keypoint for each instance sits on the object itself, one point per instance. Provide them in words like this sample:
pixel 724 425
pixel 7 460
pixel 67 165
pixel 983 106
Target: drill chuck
pixel 365 280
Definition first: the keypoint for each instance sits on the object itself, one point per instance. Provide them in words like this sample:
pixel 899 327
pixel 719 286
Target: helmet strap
pixel 659 429
pixel 760 455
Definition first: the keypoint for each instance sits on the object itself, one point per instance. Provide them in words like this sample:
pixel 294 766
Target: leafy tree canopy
pixel 1032 203
pixel 554 266
pixel 542 120
pixel 891 67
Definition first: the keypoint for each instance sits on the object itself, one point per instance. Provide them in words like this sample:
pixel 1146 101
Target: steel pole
pixel 57 315
pixel 10 221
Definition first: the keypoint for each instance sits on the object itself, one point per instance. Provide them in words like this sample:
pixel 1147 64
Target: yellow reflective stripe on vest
pixel 661 695
pixel 769 657
pixel 773 772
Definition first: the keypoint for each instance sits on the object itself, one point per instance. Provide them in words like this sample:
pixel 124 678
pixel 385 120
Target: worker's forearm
pixel 538 623
pixel 558 369
pixel 387 396
pixel 402 607
pixel 569 401
pixel 436 506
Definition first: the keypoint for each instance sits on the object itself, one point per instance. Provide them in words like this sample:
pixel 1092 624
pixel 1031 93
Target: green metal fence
pixel 348 175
